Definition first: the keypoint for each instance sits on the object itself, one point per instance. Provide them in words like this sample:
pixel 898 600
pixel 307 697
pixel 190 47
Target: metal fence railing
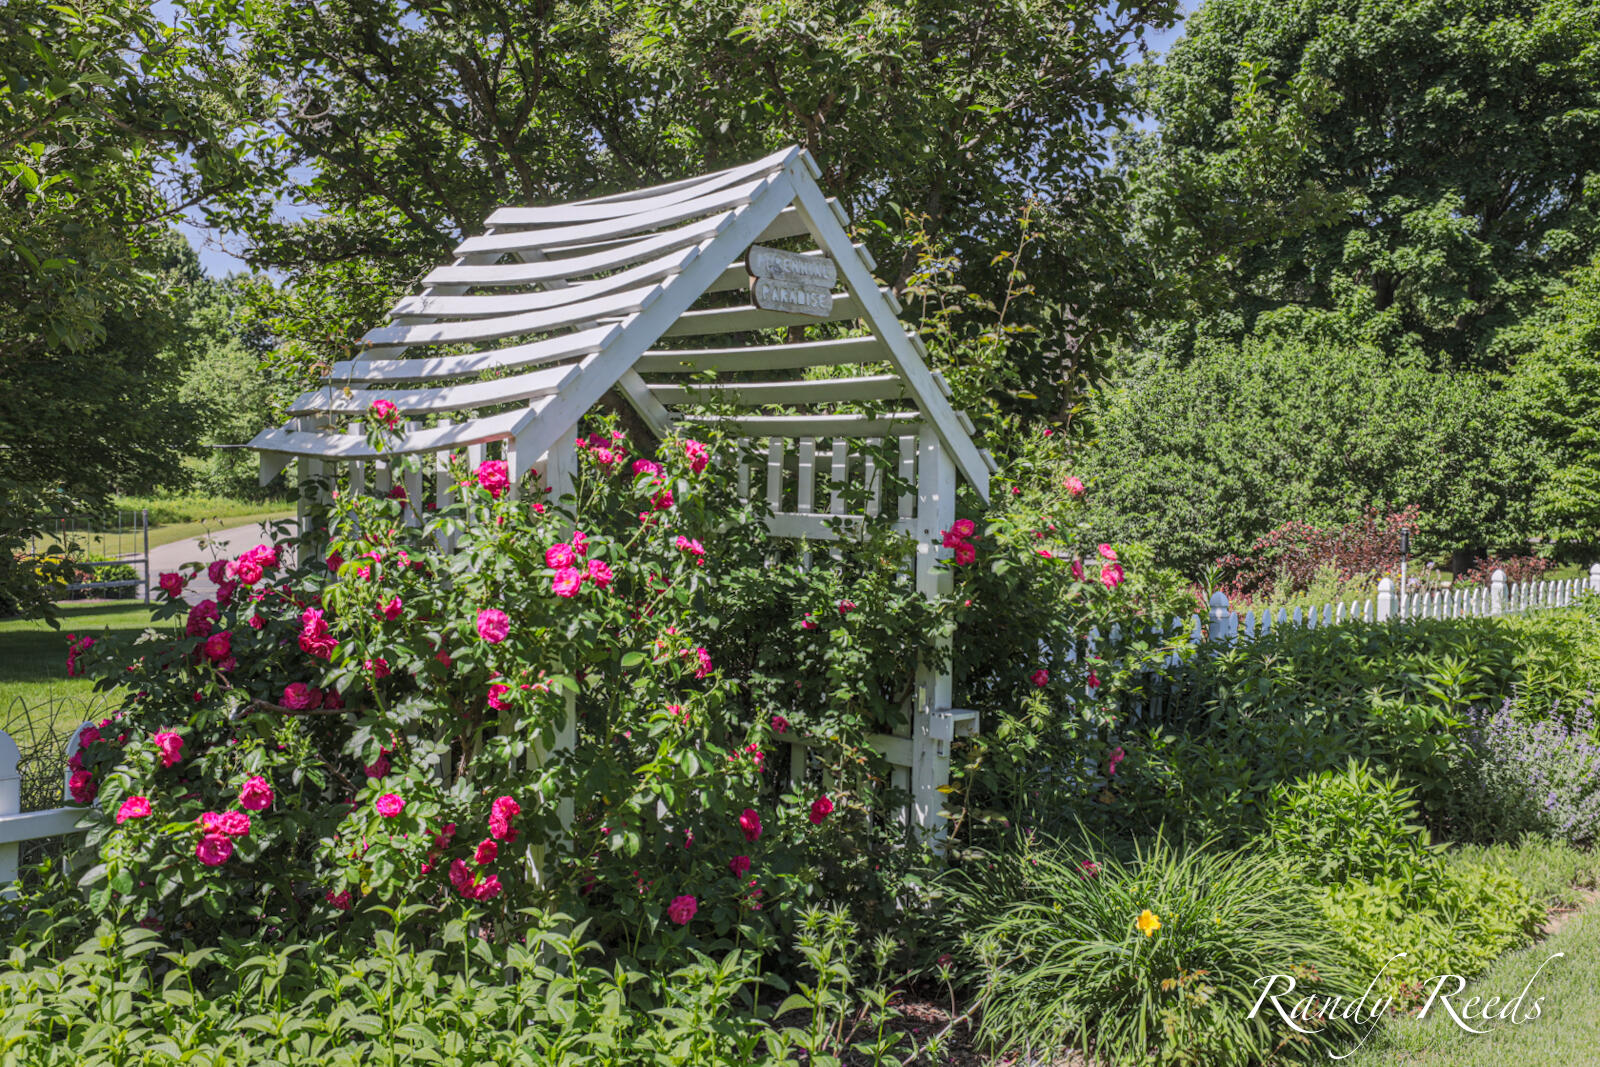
pixel 94 543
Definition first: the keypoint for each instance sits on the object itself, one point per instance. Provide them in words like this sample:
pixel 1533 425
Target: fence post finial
pixel 1497 592
pixel 1594 578
pixel 1219 624
pixel 1386 600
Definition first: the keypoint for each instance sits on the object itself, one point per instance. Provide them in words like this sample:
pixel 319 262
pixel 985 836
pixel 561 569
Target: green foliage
pixel 1202 458
pixel 1554 393
pixel 1348 825
pixel 1062 962
pixel 1416 172
pixel 1455 920
pixel 1554 872
pixel 452 998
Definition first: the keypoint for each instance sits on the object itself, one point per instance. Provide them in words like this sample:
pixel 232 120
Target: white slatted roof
pixel 551 307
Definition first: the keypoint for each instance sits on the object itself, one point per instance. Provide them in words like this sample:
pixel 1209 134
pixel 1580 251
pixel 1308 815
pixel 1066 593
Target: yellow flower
pixel 1149 922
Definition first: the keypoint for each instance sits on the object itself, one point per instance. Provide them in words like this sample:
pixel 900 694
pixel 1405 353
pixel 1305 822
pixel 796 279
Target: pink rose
pixel 487 889
pixel 248 571
pixel 493 477
pixel 340 900
pixel 965 528
pixel 231 823
pixel 81 786
pixel 390 805
pixel 256 794
pixel 315 638
pixel 965 553
pixel 682 909
pixel 821 808
pixel 88 736
pixel 704 659
pixel 780 724
pixel 808 623
pixel 1040 678
pixel 698 456
pixel 171 584
pixel 133 808
pixel 334 562
pixel 392 610
pixel 1107 552
pixel 599 574
pixel 740 866
pixel 567 581
pixel 558 556
pixel 501 812
pixel 379 667
pixel 1077 570
pixel 384 411
pixel 1111 575
pixel 488 849
pixel 1073 485
pixel 750 823
pixel 1116 756
pixel 214 849
pixel 662 500
pixel 378 767
pixel 580 542
pixel 1093 682
pixel 645 466
pixel 171 746
pixel 846 606
pixel 496 691
pixel 218 571
pixel 493 625
pixel 298 696
pixel 201 616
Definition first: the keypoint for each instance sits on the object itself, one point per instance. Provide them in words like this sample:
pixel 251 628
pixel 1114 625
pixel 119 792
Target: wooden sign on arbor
pixel 629 292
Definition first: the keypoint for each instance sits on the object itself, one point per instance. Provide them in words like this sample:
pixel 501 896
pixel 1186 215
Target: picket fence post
pixel 1497 593
pixel 1385 600
pixel 1218 624
pixel 1594 578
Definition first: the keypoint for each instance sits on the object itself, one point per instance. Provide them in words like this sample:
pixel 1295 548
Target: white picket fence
pixel 1499 597
pixel 18 826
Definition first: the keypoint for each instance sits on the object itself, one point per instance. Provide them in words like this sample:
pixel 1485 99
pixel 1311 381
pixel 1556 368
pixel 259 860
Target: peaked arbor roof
pixel 586 292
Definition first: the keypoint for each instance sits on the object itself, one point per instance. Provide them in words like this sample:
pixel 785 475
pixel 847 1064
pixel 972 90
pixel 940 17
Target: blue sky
pixel 214 248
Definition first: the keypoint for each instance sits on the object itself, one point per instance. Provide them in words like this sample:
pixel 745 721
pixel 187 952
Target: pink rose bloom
pixel 214 849
pixel 965 553
pixel 740 866
pixel 599 574
pixel 133 808
pixel 558 556
pixel 1077 569
pixel 232 823
pixel 965 528
pixel 256 794
pixel 265 555
pixel 488 849
pixel 1111 575
pixel 225 593
pixel 315 638
pixel 339 900
pixel 952 539
pixel 379 667
pixel 580 542
pixel 496 690
pixel 461 877
pixel 1090 868
pixel 1107 552
pixel 1040 678
pixel 662 500
pixel 390 805
pixel 298 696
pixel 808 623
pixel 493 477
pixel 81 786
pixel 248 571
pixel 704 659
pixel 1093 681
pixel 487 889
pixel 493 625
pixel 780 724
pixel 88 736
pixel 501 812
pixel 682 909
pixel 846 606
pixel 377 768
pixel 384 411
pixel 1073 485
pixel 201 616
pixel 257 621
pixel 332 700
pixel 393 609
pixel 171 584
pixel 218 571
pixel 171 746
pixel 1116 756
pixel 750 823
pixel 567 581
pixel 645 466
pixel 821 808
pixel 698 456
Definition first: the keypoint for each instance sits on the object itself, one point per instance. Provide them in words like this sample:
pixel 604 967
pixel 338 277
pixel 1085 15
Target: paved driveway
pixel 224 544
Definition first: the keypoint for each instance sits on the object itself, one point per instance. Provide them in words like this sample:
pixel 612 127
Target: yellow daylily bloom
pixel 1149 922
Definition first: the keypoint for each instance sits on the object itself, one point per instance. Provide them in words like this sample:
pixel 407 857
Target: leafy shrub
pixel 1145 960
pixel 1517 568
pixel 1350 824
pixel 120 990
pixel 1553 872
pixel 1519 776
pixel 1290 558
pixel 1454 921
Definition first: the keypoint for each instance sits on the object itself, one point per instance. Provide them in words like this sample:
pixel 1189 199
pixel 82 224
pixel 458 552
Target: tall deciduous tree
pixel 1444 175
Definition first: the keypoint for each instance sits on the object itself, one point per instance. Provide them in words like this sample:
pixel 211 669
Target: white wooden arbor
pixel 551 308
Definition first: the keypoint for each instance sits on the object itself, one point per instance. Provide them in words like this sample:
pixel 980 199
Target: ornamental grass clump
pixel 1152 958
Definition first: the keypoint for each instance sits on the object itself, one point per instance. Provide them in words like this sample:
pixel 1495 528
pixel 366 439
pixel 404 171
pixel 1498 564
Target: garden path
pixel 217 545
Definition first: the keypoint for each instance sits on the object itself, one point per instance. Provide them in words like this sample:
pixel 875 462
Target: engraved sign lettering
pixel 764 262
pixel 771 294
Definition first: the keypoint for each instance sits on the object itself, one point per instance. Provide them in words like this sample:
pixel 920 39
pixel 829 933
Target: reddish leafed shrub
pixel 1285 560
pixel 1517 568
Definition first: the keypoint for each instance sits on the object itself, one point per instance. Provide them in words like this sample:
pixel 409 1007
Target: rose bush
pixel 382 724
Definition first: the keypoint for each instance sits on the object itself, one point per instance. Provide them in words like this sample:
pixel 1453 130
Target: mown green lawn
pixel 33 664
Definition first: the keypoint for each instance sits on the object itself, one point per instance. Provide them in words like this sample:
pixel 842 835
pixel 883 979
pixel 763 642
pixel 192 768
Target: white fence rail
pixel 18 826
pixel 1499 597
